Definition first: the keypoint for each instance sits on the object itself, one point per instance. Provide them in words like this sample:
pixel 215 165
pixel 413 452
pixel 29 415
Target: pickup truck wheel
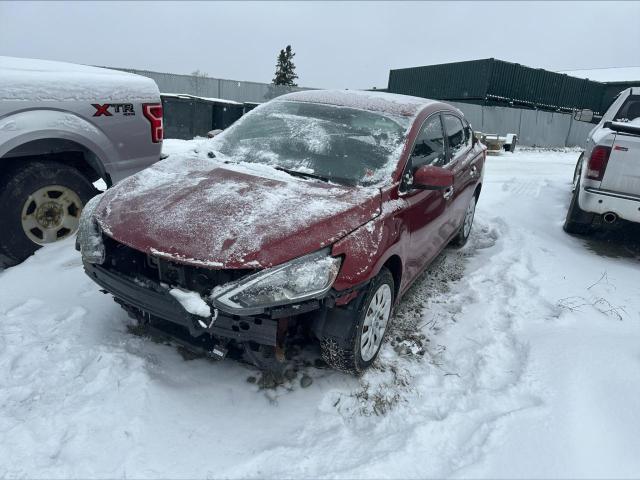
pixel 40 204
pixel 576 173
pixel 462 237
pixel 578 221
pixel 357 353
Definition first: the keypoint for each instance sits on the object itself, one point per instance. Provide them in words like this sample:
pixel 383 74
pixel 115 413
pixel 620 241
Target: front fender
pixel 26 126
pixel 368 248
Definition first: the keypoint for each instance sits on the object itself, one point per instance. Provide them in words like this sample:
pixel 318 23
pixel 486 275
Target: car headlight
pixel 89 240
pixel 301 279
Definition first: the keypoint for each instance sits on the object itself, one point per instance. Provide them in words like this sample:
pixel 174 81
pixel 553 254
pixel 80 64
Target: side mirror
pixel 429 177
pixel 213 133
pixel 584 115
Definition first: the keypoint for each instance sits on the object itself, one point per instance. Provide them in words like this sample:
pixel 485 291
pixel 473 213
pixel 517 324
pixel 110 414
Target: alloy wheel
pixel 375 322
pixel 468 218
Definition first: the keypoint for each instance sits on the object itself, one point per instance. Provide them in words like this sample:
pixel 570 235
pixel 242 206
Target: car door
pixel 424 213
pixel 460 158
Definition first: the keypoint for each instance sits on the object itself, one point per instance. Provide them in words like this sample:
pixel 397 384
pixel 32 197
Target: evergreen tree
pixel 285 68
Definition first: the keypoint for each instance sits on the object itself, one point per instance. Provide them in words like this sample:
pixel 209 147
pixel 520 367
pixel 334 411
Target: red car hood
pixel 206 213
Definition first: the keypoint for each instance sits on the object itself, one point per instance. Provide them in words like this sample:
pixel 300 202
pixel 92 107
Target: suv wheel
pixel 40 204
pixel 357 353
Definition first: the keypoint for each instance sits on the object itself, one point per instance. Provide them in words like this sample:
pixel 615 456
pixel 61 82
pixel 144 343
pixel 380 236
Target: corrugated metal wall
pixel 534 128
pixel 239 91
pixel 496 82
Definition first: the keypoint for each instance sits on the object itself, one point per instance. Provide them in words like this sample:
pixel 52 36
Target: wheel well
pixel 63 151
pixel 394 264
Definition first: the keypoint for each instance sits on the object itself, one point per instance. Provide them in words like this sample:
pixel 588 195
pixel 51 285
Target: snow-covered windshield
pixel 338 144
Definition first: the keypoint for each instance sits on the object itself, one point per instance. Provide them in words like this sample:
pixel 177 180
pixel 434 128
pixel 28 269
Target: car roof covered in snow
pixel 47 80
pixel 391 103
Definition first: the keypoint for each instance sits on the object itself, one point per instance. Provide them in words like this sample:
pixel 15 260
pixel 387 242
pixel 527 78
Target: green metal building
pixel 500 83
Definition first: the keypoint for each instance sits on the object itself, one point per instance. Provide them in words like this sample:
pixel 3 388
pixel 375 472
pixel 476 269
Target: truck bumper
pixel 625 206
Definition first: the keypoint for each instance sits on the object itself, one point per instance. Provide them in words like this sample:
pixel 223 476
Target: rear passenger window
pixel 630 110
pixel 429 146
pixel 456 135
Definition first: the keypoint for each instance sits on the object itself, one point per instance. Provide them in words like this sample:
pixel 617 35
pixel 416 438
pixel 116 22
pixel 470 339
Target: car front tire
pixel 358 352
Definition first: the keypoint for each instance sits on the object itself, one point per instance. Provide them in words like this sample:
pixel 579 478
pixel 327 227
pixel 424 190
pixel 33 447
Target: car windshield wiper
pixel 296 173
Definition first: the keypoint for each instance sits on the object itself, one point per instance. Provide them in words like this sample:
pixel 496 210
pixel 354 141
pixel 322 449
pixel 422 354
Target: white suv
pixel 606 183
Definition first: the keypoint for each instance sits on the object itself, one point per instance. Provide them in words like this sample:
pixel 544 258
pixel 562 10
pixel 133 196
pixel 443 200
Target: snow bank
pixel 43 80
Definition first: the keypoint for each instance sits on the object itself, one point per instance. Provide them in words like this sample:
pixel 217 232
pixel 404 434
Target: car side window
pixel 429 146
pixel 468 133
pixel 456 136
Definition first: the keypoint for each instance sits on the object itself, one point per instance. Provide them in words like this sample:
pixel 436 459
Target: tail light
pixel 153 113
pixel 598 162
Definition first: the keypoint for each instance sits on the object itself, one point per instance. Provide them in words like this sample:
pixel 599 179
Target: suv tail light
pixel 598 162
pixel 153 113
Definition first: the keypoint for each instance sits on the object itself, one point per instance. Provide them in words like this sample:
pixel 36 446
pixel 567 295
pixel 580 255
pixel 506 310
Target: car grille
pixel 138 265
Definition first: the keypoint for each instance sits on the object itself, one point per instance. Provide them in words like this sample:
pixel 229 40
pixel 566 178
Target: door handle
pixel 448 193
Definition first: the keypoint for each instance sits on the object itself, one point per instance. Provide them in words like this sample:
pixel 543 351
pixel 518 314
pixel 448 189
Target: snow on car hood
pixel 204 212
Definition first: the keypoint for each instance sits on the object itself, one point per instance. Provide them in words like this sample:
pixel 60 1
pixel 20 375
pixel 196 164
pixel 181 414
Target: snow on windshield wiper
pixel 297 173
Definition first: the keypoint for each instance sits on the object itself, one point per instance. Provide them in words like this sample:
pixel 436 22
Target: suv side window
pixel 456 136
pixel 429 146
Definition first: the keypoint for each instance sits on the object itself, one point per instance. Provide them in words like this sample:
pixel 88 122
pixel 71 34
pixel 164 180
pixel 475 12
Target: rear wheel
pixel 465 229
pixel 40 203
pixel 578 221
pixel 356 353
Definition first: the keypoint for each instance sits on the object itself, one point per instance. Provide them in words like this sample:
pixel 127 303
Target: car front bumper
pixel 152 302
pixel 625 206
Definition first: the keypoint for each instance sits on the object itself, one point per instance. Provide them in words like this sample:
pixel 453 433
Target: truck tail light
pixel 153 113
pixel 598 162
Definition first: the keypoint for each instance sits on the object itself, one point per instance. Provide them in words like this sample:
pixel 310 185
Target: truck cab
pixel 64 127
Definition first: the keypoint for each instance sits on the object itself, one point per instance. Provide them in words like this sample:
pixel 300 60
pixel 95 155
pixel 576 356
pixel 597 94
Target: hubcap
pixel 468 218
pixel 375 322
pixel 51 214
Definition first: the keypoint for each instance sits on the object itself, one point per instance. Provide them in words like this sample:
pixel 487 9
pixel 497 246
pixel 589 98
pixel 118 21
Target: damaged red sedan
pixel 313 213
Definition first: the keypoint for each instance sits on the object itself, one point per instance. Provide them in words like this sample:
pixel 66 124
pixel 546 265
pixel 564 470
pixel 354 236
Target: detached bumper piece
pixel 148 301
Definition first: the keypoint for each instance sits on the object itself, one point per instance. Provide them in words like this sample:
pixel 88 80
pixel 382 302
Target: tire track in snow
pixel 432 414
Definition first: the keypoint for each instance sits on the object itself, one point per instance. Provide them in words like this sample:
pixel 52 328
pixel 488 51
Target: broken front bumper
pixel 152 302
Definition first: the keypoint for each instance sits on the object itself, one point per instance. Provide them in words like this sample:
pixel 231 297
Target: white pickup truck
pixel 606 183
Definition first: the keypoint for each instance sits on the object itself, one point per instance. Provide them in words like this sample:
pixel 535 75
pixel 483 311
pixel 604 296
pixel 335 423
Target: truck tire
pixel 576 173
pixel 40 203
pixel 356 353
pixel 578 221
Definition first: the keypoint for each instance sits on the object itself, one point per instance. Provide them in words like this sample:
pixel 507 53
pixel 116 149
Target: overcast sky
pixel 337 45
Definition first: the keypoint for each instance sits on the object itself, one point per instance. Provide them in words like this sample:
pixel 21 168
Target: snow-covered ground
pixel 517 356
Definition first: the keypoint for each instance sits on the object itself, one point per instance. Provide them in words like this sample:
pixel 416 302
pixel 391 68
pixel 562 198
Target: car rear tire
pixel 358 352
pixel 462 237
pixel 578 222
pixel 40 203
